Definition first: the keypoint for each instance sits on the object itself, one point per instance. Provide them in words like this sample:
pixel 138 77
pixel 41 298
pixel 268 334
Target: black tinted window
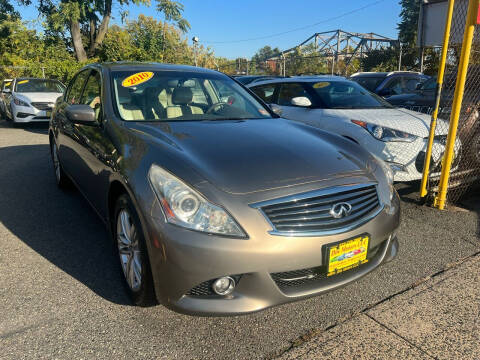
pixel 346 95
pixel 265 92
pixel 369 82
pixel 289 91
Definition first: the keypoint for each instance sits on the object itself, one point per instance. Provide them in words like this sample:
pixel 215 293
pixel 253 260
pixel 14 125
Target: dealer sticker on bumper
pixel 347 255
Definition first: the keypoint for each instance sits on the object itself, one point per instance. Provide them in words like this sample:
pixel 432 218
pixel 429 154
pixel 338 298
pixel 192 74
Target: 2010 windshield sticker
pixel 137 78
pixel 320 85
pixel 23 82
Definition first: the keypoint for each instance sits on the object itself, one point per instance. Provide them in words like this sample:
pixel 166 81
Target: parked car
pixel 391 83
pixel 398 136
pixel 423 100
pixel 31 99
pixel 218 207
pixel 250 79
pixel 6 85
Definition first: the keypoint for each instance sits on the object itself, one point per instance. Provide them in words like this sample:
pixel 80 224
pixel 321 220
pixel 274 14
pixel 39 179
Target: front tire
pixel 132 253
pixel 61 178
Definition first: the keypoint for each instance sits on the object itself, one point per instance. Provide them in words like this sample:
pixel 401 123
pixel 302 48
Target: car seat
pixel 181 99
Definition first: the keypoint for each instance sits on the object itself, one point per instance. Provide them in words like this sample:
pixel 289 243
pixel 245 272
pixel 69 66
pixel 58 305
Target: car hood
pixel 246 156
pixel 48 97
pixel 409 121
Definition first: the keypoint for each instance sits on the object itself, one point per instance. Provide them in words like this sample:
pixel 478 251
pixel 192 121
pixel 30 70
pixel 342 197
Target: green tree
pixel 24 52
pixel 7 11
pixel 147 39
pixel 87 21
pixel 407 28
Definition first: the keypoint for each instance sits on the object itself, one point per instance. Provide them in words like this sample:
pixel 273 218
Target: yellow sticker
pixel 137 78
pixel 7 84
pixel 320 85
pixel 23 81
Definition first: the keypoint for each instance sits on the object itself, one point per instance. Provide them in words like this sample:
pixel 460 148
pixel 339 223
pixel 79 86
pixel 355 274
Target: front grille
pixel 289 280
pixel 204 289
pixel 42 105
pixel 309 213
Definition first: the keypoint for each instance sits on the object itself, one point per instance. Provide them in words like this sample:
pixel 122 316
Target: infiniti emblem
pixel 340 210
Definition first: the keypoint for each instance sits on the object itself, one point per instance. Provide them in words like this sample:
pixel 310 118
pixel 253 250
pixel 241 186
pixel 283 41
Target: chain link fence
pixel 465 169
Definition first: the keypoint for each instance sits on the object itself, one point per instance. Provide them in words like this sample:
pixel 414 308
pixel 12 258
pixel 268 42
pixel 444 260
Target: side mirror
pixel 276 109
pixel 301 101
pixel 81 114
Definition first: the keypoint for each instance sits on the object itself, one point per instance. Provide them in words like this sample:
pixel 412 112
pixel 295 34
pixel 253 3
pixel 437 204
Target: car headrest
pixel 182 96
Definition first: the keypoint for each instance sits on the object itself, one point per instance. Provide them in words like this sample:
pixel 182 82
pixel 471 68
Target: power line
pixel 297 29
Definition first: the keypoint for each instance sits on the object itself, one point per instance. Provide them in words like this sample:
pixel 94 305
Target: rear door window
pixel 265 92
pixel 288 91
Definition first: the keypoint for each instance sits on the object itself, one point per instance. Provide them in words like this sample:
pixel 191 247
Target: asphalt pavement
pixel 437 319
pixel 61 293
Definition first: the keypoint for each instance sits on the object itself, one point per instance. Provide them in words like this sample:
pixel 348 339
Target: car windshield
pixel 38 85
pixel 368 82
pixel 182 96
pixel 346 95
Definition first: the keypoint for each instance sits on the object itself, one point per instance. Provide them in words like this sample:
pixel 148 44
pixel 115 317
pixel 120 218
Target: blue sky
pixel 221 23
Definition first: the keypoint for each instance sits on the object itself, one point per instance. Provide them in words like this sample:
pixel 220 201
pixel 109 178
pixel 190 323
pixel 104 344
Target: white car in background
pixel 7 84
pixel 332 103
pixel 31 99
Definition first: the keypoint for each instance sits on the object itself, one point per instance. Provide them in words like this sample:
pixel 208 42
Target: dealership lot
pixel 62 295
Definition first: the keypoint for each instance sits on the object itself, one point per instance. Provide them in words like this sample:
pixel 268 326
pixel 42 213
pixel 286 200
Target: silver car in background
pixel 31 99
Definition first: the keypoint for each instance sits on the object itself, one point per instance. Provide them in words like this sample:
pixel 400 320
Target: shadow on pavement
pixel 58 225
pixel 37 128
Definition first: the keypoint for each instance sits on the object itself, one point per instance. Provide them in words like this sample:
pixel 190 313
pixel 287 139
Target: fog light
pixel 223 285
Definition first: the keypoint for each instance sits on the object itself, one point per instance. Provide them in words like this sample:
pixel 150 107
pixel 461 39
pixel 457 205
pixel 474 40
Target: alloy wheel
pixel 56 163
pixel 129 250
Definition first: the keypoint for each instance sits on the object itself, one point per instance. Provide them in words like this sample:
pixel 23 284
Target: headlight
pixel 185 207
pixel 385 134
pixel 387 170
pixel 20 102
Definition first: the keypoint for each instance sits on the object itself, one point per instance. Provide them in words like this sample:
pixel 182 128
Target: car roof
pixel 134 65
pixel 297 79
pixel 381 73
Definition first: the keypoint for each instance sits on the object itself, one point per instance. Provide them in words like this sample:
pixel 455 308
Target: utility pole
pixel 422 51
pixel 284 65
pixel 195 44
pixel 400 59
pixel 337 55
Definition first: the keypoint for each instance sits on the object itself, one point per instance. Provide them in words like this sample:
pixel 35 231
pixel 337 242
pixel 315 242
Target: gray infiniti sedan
pixel 215 205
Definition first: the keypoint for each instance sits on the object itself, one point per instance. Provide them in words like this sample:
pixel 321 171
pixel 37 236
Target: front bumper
pixel 407 159
pixel 182 260
pixel 27 114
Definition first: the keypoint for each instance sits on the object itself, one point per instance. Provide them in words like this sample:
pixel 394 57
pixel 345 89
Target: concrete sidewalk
pixel 437 319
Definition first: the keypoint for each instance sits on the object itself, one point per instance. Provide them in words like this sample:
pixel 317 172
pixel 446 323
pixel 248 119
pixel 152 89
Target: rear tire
pixel 132 253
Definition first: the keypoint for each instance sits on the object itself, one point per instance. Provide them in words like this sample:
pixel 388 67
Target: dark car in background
pixel 249 79
pixel 421 100
pixel 391 83
pixel 219 206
